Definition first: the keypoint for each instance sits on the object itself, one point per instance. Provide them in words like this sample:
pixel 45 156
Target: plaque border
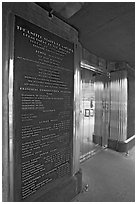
pixel 10 105
pixel 36 16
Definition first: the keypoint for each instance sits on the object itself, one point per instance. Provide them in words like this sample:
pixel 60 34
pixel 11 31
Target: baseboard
pixel 97 139
pixel 121 146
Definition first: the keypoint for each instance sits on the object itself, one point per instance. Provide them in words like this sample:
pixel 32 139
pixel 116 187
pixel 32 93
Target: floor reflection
pixel 87 130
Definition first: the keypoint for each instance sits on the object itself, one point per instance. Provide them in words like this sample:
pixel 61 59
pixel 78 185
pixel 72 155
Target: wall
pixel 118 107
pixel 94 60
pixel 131 104
pixel 122 113
pixel 122 69
pixel 122 121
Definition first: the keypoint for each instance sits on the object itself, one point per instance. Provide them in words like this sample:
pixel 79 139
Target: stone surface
pixel 110 177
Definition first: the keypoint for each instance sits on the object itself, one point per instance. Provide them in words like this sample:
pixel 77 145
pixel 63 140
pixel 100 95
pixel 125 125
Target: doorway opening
pixel 87 108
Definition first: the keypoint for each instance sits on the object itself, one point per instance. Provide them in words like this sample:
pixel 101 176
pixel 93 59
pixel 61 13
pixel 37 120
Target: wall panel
pixel 40 66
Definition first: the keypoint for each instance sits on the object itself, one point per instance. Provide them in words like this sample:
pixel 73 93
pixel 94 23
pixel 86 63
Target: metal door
pixel 102 109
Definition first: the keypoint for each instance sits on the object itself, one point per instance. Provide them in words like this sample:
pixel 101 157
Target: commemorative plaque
pixel 43 108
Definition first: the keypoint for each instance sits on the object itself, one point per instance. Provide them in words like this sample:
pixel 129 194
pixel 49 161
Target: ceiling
pixel 106 29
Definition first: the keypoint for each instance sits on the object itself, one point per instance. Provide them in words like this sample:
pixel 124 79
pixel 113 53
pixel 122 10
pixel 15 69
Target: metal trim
pixel 10 104
pixel 93 68
pixel 76 109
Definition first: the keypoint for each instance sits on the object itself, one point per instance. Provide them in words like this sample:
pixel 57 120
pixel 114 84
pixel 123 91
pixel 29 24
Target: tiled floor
pixel 110 177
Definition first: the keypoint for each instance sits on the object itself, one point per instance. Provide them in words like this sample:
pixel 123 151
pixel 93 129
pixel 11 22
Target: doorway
pixel 87 113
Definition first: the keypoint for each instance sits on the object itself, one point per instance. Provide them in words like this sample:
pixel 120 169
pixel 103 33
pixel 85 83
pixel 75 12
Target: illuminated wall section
pixel 122 109
pixel 118 104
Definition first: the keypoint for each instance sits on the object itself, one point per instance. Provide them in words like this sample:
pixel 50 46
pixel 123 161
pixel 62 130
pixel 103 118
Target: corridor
pixel 110 177
pixel 68 102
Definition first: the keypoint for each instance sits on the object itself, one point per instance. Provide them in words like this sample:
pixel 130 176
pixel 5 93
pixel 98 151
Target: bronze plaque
pixel 43 109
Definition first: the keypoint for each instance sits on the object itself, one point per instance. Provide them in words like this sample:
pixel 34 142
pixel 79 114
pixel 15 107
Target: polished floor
pixel 108 176
pixel 87 130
